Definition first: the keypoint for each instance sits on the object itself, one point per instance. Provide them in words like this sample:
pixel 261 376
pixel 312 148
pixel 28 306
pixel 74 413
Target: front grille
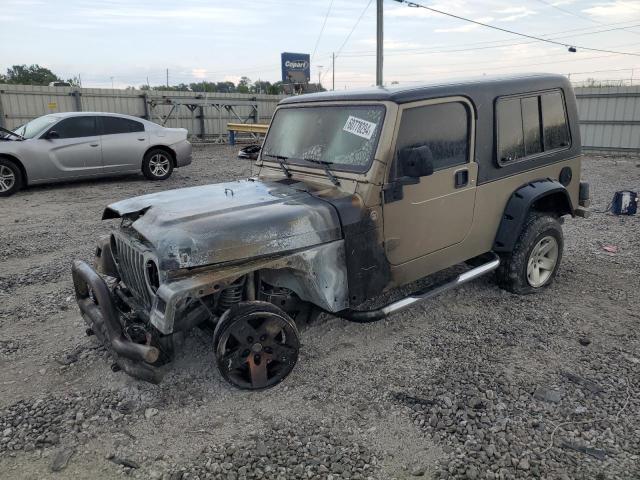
pixel 130 263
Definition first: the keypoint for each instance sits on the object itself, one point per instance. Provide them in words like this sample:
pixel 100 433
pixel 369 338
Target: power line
pixel 510 43
pixel 355 25
pixel 322 30
pixel 470 49
pixel 578 15
pixel 505 30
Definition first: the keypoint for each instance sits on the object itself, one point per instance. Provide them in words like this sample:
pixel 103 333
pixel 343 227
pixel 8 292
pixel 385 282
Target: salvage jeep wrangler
pixel 357 192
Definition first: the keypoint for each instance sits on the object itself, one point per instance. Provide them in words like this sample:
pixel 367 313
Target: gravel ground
pixel 477 383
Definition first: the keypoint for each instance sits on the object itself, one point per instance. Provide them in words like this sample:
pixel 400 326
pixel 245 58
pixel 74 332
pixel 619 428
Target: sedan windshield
pixel 343 136
pixel 36 126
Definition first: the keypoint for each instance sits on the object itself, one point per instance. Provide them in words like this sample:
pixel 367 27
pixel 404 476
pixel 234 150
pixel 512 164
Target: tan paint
pixel 423 222
pixel 455 225
pixel 491 199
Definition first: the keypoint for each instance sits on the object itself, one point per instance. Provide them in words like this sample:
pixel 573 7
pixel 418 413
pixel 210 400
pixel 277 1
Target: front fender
pixel 316 274
pixel 523 200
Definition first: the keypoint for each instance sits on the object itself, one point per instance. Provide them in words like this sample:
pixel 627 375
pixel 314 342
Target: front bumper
pixel 101 316
pixel 184 152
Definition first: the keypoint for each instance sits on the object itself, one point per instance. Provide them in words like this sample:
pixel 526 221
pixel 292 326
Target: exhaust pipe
pixel 367 316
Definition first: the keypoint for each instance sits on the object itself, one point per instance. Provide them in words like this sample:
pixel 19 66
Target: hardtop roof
pixel 501 85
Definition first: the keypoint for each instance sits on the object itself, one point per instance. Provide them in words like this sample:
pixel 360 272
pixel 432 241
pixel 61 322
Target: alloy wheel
pixel 7 178
pixel 542 261
pixel 159 165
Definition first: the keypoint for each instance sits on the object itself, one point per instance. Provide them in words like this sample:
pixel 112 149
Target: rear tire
pixel 533 264
pixel 10 178
pixel 157 164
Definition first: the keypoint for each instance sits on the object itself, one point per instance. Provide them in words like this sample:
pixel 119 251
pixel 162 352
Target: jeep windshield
pixel 342 136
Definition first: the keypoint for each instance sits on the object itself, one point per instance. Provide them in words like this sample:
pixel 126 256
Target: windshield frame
pixel 39 133
pixel 335 167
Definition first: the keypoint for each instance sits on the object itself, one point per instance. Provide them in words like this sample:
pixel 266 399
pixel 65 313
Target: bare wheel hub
pixel 542 261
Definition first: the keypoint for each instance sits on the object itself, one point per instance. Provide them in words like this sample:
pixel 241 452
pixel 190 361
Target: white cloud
pixel 199 73
pixel 515 13
pixel 127 15
pixel 614 10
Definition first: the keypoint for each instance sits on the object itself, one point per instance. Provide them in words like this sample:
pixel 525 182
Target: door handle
pixel 94 145
pixel 461 178
pixel 141 139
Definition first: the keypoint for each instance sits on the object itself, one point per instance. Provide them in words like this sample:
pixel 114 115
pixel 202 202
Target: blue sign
pixel 296 67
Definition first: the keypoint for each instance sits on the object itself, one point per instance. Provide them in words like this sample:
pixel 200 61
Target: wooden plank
pixel 248 127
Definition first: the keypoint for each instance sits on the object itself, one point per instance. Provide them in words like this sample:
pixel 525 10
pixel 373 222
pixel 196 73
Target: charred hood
pixel 226 222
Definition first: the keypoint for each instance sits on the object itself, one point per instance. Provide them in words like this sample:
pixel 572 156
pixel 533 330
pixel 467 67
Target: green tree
pixel 30 75
pixel 225 87
pixel 244 85
pixel 275 89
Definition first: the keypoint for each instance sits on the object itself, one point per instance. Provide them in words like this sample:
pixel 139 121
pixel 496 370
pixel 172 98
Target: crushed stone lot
pixel 477 383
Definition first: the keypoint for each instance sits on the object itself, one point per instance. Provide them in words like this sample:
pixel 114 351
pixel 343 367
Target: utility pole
pixel 333 64
pixel 167 78
pixel 320 67
pixel 379 42
pixel 111 83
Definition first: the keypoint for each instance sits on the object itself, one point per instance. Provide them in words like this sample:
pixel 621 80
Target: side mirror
pixel 52 135
pixel 415 161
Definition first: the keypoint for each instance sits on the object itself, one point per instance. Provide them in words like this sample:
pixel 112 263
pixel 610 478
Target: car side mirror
pixel 415 162
pixel 52 135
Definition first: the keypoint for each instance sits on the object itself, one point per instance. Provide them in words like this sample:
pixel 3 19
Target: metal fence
pixel 204 115
pixel 609 116
pixel 609 119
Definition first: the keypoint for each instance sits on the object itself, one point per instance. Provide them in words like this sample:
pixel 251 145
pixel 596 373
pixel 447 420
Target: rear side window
pixel 554 121
pixel 530 125
pixel 114 125
pixel 76 127
pixel 443 127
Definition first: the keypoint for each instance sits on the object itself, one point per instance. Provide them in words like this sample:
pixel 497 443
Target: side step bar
pixel 366 316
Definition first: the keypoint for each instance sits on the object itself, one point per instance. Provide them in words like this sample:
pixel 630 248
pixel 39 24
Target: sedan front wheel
pixel 10 178
pixel 157 165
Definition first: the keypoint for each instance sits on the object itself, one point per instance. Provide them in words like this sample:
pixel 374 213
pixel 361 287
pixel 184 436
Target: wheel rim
pixel 159 165
pixel 542 261
pixel 258 350
pixel 7 178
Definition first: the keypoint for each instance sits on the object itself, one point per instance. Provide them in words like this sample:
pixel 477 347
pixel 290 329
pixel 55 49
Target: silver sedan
pixel 67 146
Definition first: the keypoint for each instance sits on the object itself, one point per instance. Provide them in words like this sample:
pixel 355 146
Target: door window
pixel 115 125
pixel 76 127
pixel 443 128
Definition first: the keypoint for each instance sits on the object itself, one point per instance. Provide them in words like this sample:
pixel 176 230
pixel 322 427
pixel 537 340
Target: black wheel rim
pixel 258 350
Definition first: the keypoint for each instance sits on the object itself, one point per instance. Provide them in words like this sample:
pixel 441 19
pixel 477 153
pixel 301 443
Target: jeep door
pixel 434 211
pixel 72 147
pixel 124 142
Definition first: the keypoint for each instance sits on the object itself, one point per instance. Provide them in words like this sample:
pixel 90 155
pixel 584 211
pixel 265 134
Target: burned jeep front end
pixel 176 263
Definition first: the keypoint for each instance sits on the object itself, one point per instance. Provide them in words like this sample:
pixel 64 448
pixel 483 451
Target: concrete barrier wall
pixel 21 103
pixel 609 119
pixel 609 116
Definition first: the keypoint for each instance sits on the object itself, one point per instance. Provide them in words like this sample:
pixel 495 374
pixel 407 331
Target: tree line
pixel 37 75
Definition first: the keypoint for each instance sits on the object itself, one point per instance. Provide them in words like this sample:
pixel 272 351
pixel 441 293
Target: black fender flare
pixel 519 205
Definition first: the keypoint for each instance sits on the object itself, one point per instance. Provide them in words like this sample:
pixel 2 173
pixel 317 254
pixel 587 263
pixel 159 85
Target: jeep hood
pixel 231 221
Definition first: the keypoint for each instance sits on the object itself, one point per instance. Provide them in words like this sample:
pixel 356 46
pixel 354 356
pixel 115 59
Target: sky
pixel 126 42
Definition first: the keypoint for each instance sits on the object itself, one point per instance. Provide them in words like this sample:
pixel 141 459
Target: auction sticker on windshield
pixel 359 127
